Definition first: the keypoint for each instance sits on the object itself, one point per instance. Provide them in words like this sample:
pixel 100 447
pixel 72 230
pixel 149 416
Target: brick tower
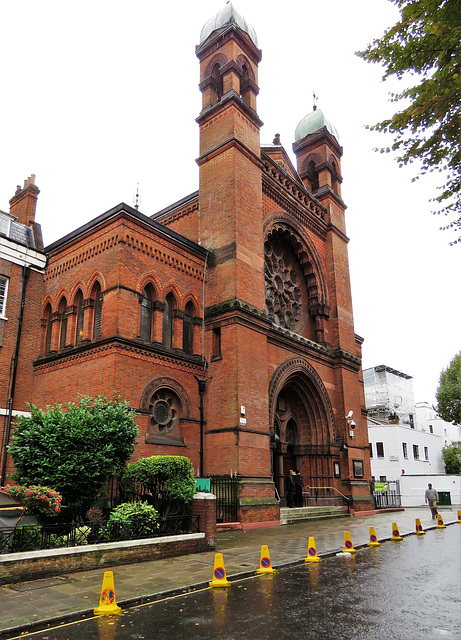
pixel 231 228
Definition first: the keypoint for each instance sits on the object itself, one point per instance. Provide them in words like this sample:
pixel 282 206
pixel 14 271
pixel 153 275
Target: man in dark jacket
pixel 290 488
pixel 299 484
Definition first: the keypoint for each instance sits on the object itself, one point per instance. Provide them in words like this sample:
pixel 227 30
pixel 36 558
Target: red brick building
pixel 240 290
pixel 22 265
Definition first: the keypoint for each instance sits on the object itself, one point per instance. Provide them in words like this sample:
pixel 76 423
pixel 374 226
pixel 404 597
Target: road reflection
pixel 406 590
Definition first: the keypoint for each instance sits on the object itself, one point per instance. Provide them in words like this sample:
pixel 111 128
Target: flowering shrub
pixel 35 498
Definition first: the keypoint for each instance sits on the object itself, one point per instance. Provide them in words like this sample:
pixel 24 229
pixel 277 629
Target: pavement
pixel 31 605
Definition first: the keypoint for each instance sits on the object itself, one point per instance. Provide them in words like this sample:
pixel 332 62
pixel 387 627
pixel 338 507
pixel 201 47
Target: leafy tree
pixel 74 451
pixel 426 44
pixel 448 393
pixel 452 459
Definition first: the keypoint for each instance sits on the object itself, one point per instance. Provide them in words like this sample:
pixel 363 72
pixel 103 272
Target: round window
pixel 164 409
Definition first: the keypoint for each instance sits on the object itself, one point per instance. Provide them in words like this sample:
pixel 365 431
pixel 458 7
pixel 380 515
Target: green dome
pixel 313 122
pixel 227 15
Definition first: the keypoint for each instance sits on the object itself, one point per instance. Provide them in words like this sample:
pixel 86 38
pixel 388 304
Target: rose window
pixel 164 411
pixel 283 285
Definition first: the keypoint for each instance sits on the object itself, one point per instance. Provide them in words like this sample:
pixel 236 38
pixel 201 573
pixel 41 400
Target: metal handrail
pixel 338 492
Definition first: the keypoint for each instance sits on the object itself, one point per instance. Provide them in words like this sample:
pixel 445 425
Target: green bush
pixel 131 520
pixel 25 538
pixel 174 474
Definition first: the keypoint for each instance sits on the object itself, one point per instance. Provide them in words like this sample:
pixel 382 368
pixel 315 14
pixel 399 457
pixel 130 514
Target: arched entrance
pixel 302 426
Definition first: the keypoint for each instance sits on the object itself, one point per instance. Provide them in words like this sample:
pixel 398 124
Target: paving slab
pixel 23 605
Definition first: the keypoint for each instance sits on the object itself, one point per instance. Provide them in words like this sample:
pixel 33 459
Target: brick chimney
pixel 24 202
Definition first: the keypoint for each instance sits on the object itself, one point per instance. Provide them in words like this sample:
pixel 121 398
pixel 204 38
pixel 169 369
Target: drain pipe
pixel 25 277
pixel 202 382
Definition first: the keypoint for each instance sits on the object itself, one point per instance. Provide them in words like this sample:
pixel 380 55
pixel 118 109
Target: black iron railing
pixel 32 537
pixel 391 498
pixel 225 488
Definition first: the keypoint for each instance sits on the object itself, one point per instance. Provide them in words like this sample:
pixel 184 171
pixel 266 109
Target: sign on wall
pixel 203 484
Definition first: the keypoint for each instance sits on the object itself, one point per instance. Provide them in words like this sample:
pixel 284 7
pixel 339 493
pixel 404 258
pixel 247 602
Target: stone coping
pixel 103 546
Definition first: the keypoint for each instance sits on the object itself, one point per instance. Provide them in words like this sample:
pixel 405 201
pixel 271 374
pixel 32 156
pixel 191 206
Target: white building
pixel 398 450
pixel 428 420
pixel 406 439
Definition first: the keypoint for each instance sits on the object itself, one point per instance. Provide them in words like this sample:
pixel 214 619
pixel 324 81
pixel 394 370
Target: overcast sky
pixel 99 96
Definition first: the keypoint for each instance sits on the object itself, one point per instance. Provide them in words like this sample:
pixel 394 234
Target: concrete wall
pixel 412 488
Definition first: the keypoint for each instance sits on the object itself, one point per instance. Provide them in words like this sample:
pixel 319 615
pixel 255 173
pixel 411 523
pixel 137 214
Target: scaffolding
pixel 389 395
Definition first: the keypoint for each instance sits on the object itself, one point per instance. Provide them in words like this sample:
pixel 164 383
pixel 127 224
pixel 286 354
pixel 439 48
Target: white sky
pixel 101 95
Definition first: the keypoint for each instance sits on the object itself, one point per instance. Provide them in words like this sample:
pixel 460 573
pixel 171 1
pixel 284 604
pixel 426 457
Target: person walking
pixel 432 497
pixel 299 484
pixel 290 489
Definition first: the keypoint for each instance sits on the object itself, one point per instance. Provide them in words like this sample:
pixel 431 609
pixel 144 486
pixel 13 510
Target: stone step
pixel 303 514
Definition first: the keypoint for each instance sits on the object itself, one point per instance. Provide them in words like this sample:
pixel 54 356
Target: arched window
pixel 63 316
pixel 168 321
pixel 313 176
pixel 216 81
pixel 187 331
pixel 335 182
pixel 244 85
pixel 146 313
pixel 48 329
pixel 79 328
pixel 97 312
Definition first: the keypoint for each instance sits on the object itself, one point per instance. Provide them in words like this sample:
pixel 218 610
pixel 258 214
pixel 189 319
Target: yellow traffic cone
pixel 107 604
pixel 395 532
pixel 459 516
pixel 373 539
pixel 219 573
pixel 419 529
pixel 265 565
pixel 440 524
pixel 311 552
pixel 348 546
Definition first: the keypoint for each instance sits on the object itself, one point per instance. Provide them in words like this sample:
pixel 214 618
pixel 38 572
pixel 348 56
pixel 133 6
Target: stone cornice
pixel 231 98
pixel 236 310
pixel 153 353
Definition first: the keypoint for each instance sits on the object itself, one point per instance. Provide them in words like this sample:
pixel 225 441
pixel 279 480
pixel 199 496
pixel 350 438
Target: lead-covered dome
pixel 227 15
pixel 313 122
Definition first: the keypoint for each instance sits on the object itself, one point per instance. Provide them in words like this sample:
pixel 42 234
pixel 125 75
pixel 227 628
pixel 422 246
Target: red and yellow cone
pixel 107 604
pixel 311 552
pixel 348 546
pixel 265 565
pixel 440 524
pixel 419 528
pixel 219 573
pixel 373 538
pixel 395 532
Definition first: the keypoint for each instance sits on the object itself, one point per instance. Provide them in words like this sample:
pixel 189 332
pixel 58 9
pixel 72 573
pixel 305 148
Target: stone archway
pixel 302 421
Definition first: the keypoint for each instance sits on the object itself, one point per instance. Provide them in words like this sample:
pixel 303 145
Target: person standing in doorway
pixel 290 488
pixel 432 497
pixel 299 484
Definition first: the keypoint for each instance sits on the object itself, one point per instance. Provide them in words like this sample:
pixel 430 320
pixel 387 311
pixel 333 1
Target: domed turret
pixel 227 15
pixel 313 122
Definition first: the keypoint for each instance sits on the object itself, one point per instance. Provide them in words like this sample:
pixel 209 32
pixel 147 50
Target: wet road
pixel 407 590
